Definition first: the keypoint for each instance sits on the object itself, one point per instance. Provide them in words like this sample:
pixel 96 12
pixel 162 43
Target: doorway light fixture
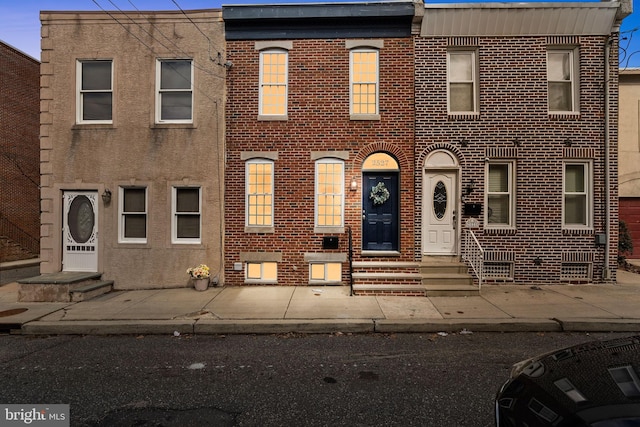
pixel 354 184
pixel 106 196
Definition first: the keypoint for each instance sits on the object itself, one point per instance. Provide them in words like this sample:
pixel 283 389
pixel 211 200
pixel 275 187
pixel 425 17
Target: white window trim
pixel 474 81
pixel 174 222
pixel 360 116
pixel 159 91
pixel 575 86
pixel 259 228
pixel 511 172
pixel 338 228
pixel 122 214
pixel 588 176
pixel 79 92
pixel 261 114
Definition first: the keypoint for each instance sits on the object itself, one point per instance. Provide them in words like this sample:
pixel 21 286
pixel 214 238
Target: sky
pixel 20 21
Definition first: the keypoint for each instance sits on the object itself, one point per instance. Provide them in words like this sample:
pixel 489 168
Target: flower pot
pixel 201 284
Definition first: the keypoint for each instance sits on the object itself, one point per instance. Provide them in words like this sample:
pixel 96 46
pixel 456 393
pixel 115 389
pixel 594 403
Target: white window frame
pixel 248 194
pixel 331 227
pixel 174 216
pixel 261 278
pixel 122 215
pixel 352 83
pixel 473 81
pixel 262 83
pixel 80 93
pixel 160 90
pixel 511 193
pixel 574 68
pixel 324 279
pixel 587 193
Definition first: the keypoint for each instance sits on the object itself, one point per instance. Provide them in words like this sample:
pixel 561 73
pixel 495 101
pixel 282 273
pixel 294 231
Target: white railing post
pixel 474 255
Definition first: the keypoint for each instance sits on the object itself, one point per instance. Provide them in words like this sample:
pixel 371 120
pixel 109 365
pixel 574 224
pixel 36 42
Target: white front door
pixel 80 231
pixel 439 213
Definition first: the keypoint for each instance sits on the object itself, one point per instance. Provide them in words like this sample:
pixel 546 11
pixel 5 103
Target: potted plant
pixel 200 276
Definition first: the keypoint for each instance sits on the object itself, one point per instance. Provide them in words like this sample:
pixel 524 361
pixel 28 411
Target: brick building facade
pixel 19 155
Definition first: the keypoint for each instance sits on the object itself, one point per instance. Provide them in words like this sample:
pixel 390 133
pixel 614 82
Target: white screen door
pixel 439 213
pixel 80 231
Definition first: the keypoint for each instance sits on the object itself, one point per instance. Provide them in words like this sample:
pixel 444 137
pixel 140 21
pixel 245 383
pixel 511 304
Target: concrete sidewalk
pixel 313 309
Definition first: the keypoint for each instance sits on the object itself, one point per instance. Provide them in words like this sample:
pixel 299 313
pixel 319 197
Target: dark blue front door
pixel 380 201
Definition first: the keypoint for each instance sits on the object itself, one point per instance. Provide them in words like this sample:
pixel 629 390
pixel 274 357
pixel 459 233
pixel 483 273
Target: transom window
pixel 133 214
pixel 186 218
pixel 329 193
pixel 273 82
pixel 577 195
pixel 364 81
pixel 95 91
pixel 462 81
pixel 562 80
pixel 174 91
pixel 259 193
pixel 500 195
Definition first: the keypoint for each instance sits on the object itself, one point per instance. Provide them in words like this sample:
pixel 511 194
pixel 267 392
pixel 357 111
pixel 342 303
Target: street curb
pixel 600 325
pixel 322 326
pixel 471 325
pixel 108 327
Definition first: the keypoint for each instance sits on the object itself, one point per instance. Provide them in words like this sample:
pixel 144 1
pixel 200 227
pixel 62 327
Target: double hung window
pixel 186 215
pixel 462 81
pixel 364 81
pixel 329 193
pixel 562 80
pixel 259 193
pixel 95 91
pixel 500 212
pixel 577 198
pixel 273 82
pixel 133 214
pixel 174 83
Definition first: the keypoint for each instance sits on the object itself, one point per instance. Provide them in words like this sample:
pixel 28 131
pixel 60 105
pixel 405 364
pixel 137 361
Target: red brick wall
pixel 318 120
pixel 513 103
pixel 19 148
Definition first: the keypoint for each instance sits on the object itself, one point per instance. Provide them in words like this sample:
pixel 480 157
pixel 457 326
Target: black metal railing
pixel 19 236
pixel 350 260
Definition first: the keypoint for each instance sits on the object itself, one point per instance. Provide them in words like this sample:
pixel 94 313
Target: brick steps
pixel 437 276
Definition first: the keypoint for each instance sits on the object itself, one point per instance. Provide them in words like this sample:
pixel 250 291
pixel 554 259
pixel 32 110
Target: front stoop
pixel 447 277
pixel 434 276
pixel 63 287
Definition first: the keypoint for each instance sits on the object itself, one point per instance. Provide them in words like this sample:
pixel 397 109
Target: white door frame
pixel 443 238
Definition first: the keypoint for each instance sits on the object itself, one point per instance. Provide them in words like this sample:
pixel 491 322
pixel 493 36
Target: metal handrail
pixel 474 255
pixel 350 261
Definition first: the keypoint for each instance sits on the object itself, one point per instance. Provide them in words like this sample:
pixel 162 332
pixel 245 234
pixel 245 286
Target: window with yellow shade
pixel 261 272
pixel 259 193
pixel 325 272
pixel 364 81
pixel 273 82
pixel 329 193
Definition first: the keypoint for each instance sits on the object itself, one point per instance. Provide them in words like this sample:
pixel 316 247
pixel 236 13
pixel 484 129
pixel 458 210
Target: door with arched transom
pixel 380 203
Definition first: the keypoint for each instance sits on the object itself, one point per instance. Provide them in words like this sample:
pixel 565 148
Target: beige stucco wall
pixel 629 134
pixel 133 150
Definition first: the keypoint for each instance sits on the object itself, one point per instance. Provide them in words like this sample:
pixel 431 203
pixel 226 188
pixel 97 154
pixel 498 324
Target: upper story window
pixel 95 91
pixel 174 98
pixel 329 193
pixel 562 80
pixel 186 215
pixel 578 195
pixel 259 193
pixel 462 81
pixel 364 81
pixel 133 214
pixel 273 82
pixel 500 212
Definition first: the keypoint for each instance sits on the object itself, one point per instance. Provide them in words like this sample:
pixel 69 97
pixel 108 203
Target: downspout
pixel 606 272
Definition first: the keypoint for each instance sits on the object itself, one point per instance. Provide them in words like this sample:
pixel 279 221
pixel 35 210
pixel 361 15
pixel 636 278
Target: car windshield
pixel 622 422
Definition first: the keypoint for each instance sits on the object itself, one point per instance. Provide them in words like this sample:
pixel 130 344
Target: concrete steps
pixel 63 287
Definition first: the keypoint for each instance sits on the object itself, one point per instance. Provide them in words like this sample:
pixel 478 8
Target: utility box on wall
pixel 330 242
pixel 472 208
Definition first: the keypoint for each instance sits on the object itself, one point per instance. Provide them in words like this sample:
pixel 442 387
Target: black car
pixel 594 384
